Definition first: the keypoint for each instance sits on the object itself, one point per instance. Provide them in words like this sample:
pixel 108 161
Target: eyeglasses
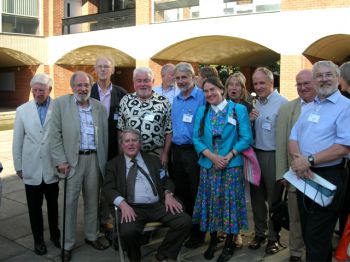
pixel 103 67
pixel 327 75
pixel 305 84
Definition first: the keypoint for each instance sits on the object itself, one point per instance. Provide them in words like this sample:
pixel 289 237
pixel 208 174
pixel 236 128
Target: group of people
pixel 173 154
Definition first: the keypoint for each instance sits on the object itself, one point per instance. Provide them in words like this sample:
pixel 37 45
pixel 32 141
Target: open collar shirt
pixel 265 124
pixel 322 125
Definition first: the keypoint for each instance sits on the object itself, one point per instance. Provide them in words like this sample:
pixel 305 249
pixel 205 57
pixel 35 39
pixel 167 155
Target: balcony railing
pixel 94 22
pixel 171 10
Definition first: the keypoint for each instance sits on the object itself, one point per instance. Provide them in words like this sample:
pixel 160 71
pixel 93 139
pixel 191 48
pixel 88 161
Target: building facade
pixel 61 36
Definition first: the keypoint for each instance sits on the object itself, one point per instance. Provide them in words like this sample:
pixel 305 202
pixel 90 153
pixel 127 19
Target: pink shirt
pixel 105 98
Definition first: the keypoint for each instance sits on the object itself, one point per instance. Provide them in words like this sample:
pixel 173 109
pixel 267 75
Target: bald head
pixel 305 88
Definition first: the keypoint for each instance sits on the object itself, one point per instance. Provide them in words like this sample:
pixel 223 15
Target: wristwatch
pixel 168 192
pixel 311 160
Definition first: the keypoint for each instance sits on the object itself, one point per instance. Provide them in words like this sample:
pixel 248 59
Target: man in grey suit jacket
pixel 147 198
pixel 287 116
pixel 32 161
pixel 79 151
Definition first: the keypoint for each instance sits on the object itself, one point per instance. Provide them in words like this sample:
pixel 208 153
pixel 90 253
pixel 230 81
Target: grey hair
pixel 184 67
pixel 43 79
pixel 108 58
pixel 165 69
pixel 325 63
pixel 143 69
pixel 130 131
pixel 74 76
pixel 266 72
pixel 345 72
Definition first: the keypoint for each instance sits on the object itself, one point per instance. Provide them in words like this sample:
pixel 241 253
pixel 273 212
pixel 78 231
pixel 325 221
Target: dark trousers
pixel 179 228
pixel 317 222
pixel 185 175
pixel 345 210
pixel 186 179
pixel 35 195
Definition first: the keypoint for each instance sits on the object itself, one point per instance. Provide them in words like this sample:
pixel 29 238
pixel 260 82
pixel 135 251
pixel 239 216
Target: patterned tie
pixel 130 181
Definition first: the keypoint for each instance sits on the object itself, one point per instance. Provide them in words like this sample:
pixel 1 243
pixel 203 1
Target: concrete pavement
pixel 16 241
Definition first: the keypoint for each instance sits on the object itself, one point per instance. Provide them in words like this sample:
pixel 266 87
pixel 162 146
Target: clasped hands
pixel 301 166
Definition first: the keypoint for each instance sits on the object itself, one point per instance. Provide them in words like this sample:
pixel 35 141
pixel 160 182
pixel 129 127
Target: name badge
pixel 115 116
pixel 187 118
pixel 266 125
pixel 314 118
pixel 90 130
pixel 232 121
pixel 162 173
pixel 149 117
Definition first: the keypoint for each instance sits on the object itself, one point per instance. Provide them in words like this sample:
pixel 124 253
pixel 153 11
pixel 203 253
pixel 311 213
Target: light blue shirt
pixel 42 110
pixel 170 93
pixel 143 189
pixel 322 125
pixel 265 124
pixel 183 114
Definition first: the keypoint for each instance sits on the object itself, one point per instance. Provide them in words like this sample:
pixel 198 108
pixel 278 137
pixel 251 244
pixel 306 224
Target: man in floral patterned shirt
pixel 149 113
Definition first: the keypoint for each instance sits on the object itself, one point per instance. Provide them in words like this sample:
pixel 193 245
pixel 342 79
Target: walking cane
pixel 64 217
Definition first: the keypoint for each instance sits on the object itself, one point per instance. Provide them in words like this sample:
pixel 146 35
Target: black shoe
pixel 272 247
pixel 256 242
pixel 40 248
pixel 226 254
pixel 56 242
pixel 294 259
pixel 67 255
pixel 209 253
pixel 194 242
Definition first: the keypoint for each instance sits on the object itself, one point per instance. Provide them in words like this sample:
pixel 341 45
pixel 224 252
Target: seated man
pixel 136 184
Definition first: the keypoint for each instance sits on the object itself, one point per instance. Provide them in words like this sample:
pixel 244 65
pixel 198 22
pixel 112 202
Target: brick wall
pixel 58 9
pixel 21 95
pixel 290 66
pixel 46 17
pixel 288 5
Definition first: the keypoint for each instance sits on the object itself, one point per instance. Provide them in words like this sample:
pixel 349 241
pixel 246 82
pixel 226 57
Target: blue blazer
pixel 229 135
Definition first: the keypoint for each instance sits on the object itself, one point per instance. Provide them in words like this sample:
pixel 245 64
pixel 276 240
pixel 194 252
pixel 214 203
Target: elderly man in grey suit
pixel 136 183
pixel 287 116
pixel 79 147
pixel 32 161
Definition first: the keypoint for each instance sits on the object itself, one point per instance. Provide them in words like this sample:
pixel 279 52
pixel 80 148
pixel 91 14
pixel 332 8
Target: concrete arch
pixel 219 49
pixel 333 47
pixel 87 55
pixel 22 50
pixel 11 58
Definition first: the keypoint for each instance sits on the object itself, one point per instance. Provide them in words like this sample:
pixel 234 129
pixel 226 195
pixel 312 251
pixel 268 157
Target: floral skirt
pixel 220 204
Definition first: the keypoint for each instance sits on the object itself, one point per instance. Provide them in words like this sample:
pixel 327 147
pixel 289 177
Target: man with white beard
pixel 185 159
pixel 318 142
pixel 79 144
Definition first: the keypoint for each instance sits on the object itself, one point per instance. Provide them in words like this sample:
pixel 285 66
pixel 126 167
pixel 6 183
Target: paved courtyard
pixel 16 242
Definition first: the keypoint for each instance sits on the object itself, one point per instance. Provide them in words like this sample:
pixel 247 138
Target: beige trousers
pixel 86 178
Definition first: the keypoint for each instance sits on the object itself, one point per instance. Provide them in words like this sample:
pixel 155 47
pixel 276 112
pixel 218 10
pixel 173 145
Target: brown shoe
pixel 97 244
pixel 67 255
pixel 256 242
pixel 272 247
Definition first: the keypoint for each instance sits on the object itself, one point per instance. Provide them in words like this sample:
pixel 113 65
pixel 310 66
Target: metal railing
pixel 21 7
pixel 120 18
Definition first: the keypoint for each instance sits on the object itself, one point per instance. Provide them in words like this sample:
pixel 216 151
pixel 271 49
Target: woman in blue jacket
pixel 221 132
